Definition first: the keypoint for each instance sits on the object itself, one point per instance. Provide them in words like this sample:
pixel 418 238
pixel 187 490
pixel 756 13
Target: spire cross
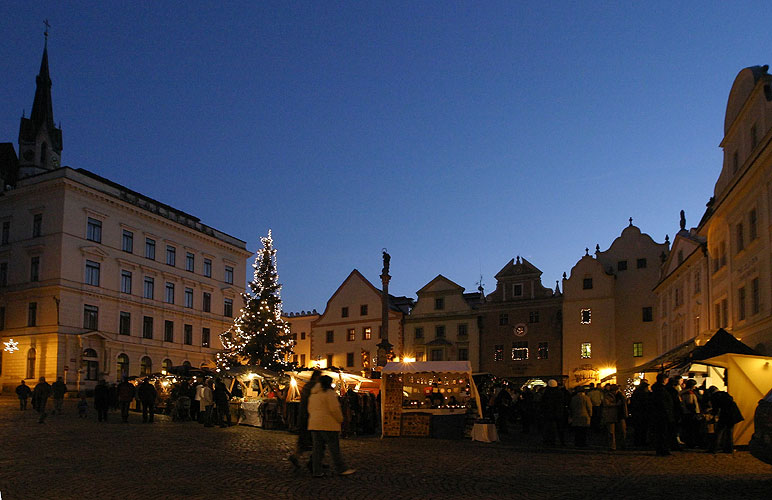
pixel 45 33
pixel 631 221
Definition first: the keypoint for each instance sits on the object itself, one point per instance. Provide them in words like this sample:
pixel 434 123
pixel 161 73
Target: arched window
pixel 91 364
pixel 145 366
pixel 31 356
pixel 123 366
pixel 186 364
pixel 166 365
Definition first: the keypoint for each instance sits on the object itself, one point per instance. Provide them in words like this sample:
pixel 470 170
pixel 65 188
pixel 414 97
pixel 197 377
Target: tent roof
pixel 428 366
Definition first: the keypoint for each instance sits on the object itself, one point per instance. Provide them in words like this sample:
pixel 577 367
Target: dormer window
pixel 439 303
pixel 587 284
pixel 517 290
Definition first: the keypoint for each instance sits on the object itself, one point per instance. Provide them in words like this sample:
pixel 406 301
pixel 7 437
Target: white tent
pixel 749 378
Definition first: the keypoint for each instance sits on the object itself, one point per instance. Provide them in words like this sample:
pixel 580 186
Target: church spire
pixel 40 141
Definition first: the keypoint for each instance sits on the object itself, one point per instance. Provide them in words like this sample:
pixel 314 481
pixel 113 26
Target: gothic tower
pixel 40 142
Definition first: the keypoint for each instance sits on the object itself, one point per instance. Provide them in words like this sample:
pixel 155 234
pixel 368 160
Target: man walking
pixel 40 397
pixel 222 400
pixel 147 395
pixel 126 393
pixel 59 389
pixel 24 392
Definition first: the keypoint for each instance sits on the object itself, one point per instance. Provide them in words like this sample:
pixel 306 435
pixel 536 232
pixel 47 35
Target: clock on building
pixel 520 329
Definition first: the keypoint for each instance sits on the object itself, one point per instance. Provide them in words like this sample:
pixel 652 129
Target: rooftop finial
pixel 631 221
pixel 597 248
pixel 586 251
pixel 683 220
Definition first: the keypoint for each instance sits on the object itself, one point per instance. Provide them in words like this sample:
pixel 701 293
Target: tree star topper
pixel 11 345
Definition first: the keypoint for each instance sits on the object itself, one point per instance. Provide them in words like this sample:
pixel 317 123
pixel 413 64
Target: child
pixel 82 406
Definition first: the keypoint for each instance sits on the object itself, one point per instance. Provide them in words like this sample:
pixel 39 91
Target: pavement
pixel 68 457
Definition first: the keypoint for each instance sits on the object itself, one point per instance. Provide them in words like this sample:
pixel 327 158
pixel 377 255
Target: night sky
pixel 456 134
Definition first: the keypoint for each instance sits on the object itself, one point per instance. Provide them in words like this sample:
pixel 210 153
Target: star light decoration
pixel 11 345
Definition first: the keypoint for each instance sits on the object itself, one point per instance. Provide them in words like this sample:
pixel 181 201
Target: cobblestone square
pixel 68 457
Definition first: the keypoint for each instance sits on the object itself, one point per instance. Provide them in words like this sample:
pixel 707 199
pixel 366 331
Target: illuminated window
pixel 205 337
pixel 498 353
pixel 586 316
pixel 123 366
pixel 586 350
pixel 145 366
pixel 350 336
pixel 519 351
pixel 637 349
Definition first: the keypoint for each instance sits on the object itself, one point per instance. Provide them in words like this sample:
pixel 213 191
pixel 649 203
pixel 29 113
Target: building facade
pixel 609 308
pixel 444 324
pixel 347 333
pixel 300 329
pixel 98 281
pixel 521 326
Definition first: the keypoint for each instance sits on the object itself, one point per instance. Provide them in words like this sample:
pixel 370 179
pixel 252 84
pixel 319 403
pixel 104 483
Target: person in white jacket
pixel 324 419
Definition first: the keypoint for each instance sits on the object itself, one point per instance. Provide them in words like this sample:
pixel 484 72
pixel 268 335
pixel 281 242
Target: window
pixel 741 304
pixel 147 327
pixel 127 243
pixel 123 366
pixel 91 364
pixel 363 310
pixel 439 331
pixel 586 316
pixel 344 312
pixel 503 319
pixel 586 350
pixel 724 313
pixel 463 354
pixel 188 334
pixel 149 287
pixel 207 302
pixel 126 281
pixel 330 336
pixel 190 262
pixel 517 290
pixel 31 357
pixel 367 333
pixel 37 225
pixel 637 349
pixel 419 333
pixel 6 236
pixel 145 366
pixel 519 351
pixel 648 314
pixel 622 265
pixel 303 335
pixel 189 297
pixel 168 331
pixel 34 269
pixel 587 284
pixel 3 274
pixel 349 359
pixel 753 231
pixel 533 316
pixel 94 230
pixel 755 304
pixel 437 354
pixel 92 273
pixel 90 317
pixel 302 360
pixel 205 337
pixel 208 268
pixel 149 249
pixel 124 323
pixel 439 303
pixel 166 365
pixel 227 308
pixel 735 162
pixel 463 330
pixel 171 255
pixel 351 335
pixel 229 274
pixel 329 361
pixel 640 264
pixel 169 293
pixel 740 237
pixel 498 353
pixel 544 351
pixel 32 314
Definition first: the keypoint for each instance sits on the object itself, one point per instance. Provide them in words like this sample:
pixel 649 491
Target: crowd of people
pixel 672 414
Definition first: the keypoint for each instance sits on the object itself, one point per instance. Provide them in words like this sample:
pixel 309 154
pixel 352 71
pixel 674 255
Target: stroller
pixel 181 411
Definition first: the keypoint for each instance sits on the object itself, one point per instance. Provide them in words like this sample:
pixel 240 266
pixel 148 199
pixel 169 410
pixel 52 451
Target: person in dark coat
pixel 113 396
pixel 101 400
pixel 552 411
pixel 222 400
pixel 58 389
pixel 662 415
pixel 728 415
pixel 126 393
pixel 673 388
pixel 147 395
pixel 304 443
pixel 502 404
pixel 40 397
pixel 23 392
pixel 640 409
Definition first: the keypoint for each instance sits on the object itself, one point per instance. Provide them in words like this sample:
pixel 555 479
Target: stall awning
pixel 428 366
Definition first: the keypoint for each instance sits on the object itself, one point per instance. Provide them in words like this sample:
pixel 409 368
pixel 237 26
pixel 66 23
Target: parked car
pixel 761 442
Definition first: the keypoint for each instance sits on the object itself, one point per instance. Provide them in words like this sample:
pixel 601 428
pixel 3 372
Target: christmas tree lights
pixel 259 336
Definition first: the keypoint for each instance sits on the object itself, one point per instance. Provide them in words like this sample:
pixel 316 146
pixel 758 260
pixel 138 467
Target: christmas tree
pixel 259 336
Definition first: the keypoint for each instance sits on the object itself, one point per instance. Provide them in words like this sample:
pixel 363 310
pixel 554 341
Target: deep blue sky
pixel 456 134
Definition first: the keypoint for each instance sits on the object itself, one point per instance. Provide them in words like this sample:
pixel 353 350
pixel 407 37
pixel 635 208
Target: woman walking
pixel 324 419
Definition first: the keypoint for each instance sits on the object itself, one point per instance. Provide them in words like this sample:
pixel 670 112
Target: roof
pixel 428 366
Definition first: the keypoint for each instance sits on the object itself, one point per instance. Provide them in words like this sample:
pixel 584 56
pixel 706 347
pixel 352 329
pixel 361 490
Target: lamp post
pixel 385 348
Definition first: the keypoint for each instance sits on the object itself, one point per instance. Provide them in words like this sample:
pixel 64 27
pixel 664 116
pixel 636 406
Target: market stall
pixel 262 403
pixel 429 399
